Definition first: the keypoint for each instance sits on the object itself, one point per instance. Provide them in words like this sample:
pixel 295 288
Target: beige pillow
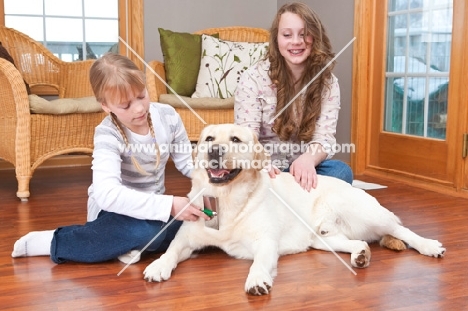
pixel 222 63
pixel 40 105
pixel 197 103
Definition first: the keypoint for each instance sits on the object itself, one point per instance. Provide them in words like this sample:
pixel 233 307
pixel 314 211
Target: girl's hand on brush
pixel 183 210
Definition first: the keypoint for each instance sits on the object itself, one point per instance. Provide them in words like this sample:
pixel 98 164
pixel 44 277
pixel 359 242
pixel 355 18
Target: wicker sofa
pixel 28 139
pixel 224 114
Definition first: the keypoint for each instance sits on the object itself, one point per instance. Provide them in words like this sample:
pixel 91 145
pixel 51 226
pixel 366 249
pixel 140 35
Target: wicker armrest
pixel 155 86
pixel 15 110
pixel 13 95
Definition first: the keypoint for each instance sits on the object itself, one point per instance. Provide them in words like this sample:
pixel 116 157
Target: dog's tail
pixel 391 242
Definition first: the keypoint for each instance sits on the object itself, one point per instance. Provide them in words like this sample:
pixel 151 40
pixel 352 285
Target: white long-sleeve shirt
pixel 118 186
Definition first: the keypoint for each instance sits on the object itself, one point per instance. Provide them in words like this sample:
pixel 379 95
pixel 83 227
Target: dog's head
pixel 225 151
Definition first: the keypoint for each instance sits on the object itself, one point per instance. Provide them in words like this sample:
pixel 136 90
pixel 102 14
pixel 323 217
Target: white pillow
pixel 222 63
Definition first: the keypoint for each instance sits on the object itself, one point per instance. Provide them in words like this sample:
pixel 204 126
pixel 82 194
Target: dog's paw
pixel 259 290
pixel 432 248
pixel 361 259
pixel 158 271
pixel 258 284
pixel 392 243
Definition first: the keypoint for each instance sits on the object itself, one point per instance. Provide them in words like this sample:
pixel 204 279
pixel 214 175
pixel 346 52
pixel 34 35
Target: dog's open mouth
pixel 219 176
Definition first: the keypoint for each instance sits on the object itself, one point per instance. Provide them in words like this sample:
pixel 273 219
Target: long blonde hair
pixel 115 77
pixel 286 125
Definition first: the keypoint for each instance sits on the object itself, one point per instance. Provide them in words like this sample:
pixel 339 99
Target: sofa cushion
pixel 197 103
pixel 222 63
pixel 40 105
pixel 182 54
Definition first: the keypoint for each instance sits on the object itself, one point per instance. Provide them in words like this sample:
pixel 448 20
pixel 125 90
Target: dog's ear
pixel 195 153
pixel 201 140
pixel 195 150
pixel 260 155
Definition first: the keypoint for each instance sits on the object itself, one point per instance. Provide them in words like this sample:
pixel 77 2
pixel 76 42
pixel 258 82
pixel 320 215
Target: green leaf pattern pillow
pixel 222 63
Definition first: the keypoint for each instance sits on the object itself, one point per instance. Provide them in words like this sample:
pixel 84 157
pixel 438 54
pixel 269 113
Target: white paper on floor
pixel 367 185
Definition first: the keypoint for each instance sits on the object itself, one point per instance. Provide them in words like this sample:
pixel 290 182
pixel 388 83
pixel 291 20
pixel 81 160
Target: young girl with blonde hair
pixel 292 98
pixel 127 206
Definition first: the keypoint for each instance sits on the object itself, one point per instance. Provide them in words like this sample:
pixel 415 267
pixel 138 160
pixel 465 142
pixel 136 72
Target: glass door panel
pixel 417 67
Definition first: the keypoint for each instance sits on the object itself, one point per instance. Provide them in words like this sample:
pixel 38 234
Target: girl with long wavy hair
pixel 291 99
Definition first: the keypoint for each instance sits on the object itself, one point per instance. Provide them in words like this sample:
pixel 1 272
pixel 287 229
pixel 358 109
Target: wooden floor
pixel 212 280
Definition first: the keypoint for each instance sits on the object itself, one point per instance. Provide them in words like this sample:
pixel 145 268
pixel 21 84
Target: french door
pixel 410 91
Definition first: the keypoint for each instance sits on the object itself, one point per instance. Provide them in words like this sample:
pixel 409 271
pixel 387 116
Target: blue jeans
pixel 334 168
pixel 108 237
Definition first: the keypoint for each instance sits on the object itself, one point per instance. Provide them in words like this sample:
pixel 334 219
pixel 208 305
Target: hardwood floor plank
pixel 212 280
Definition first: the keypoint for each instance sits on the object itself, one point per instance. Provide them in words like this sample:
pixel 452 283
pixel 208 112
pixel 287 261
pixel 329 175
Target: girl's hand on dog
pixel 303 170
pixel 183 210
pixel 272 171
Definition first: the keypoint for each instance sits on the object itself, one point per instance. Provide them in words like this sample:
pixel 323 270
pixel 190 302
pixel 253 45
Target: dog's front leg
pixel 263 269
pixel 179 250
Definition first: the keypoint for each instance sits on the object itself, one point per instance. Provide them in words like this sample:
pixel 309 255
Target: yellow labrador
pixel 256 221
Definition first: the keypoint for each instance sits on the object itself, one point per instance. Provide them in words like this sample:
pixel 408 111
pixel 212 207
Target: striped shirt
pixel 118 186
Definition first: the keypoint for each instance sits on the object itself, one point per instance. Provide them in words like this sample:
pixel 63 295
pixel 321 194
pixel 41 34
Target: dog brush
pixel 210 213
pixel 211 210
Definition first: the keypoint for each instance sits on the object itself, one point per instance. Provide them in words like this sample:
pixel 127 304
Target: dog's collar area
pixel 220 176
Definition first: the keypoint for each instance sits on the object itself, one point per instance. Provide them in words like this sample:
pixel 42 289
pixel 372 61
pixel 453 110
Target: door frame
pixel 367 51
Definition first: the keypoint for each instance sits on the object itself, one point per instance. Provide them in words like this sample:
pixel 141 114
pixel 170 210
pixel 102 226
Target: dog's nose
pixel 216 151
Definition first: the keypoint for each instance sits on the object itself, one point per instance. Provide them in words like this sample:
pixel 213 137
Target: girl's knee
pixel 336 168
pixel 157 234
pixel 348 175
